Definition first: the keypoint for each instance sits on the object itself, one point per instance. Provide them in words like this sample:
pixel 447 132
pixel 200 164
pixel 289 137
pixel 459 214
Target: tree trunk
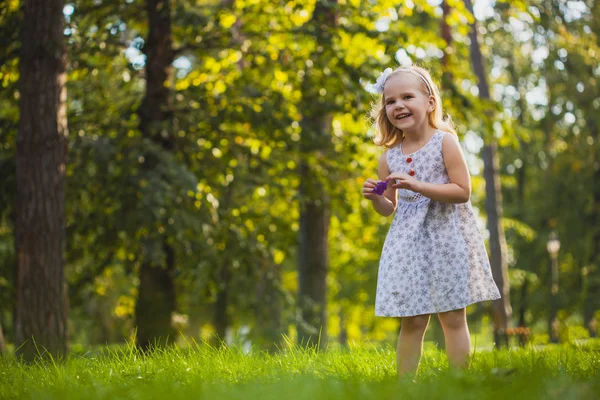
pixel 501 309
pixel 41 306
pixel 221 320
pixel 223 279
pixel 156 303
pixel 523 310
pixel 156 297
pixel 343 338
pixel 313 256
pixel 2 342
pixel 268 322
pixel 446 34
pixel 590 304
pixel 156 109
pixel 313 262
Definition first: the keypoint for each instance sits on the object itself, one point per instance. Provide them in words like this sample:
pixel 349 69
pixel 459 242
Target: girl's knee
pixel 415 324
pixel 453 320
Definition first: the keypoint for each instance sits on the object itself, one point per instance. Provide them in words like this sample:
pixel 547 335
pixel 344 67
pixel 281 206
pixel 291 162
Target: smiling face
pixel 407 102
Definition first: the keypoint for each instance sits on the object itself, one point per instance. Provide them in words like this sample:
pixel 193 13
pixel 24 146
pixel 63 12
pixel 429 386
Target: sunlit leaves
pixel 357 48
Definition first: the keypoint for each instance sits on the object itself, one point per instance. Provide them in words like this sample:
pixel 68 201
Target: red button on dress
pixel 409 160
pixel 411 172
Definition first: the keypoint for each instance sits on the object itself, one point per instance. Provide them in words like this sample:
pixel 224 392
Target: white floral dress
pixel 433 258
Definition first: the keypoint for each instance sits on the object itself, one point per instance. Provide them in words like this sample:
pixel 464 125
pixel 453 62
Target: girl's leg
pixel 410 343
pixel 458 340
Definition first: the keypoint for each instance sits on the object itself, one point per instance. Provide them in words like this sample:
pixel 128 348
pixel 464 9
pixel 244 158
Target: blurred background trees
pixel 217 149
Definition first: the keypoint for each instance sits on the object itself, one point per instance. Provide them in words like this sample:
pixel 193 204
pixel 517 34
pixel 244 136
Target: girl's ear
pixel 431 104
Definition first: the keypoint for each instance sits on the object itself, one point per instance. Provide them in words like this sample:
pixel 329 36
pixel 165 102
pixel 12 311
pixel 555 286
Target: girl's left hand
pixel 402 180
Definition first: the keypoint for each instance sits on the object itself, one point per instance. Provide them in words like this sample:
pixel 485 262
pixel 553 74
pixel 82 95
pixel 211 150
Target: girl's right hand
pixel 367 189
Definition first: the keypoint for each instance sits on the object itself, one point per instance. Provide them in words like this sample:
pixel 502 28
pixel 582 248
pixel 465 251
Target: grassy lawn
pixel 201 372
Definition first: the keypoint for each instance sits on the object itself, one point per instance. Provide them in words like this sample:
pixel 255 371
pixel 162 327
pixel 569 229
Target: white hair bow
pixel 378 86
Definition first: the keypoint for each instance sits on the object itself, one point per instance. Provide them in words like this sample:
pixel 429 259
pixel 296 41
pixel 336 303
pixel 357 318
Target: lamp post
pixel 553 246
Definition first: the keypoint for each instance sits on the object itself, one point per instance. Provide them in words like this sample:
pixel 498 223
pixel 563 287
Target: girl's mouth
pixel 402 116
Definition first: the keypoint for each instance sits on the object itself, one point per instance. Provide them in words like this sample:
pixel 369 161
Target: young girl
pixel 433 259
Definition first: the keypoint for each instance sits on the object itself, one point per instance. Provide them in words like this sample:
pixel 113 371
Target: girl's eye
pixel 390 102
pixel 407 97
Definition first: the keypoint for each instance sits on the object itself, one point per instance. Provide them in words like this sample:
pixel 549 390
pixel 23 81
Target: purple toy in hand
pixel 380 187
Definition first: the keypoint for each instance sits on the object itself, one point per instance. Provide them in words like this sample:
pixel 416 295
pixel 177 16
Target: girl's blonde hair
pixel 387 134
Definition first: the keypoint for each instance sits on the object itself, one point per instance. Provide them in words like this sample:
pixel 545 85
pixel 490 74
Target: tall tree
pixel 156 293
pixel 446 35
pixel 313 257
pixel 41 306
pixel 501 308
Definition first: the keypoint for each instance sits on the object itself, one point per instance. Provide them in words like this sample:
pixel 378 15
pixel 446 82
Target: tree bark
pixel 523 310
pixel 446 34
pixel 501 309
pixel 269 328
pixel 590 304
pixel 156 303
pixel 343 338
pixel 313 256
pixel 41 306
pixel 313 262
pixel 221 318
pixel 156 109
pixel 2 342
pixel 156 293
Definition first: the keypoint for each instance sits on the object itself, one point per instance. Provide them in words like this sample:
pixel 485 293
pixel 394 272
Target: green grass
pixel 202 372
